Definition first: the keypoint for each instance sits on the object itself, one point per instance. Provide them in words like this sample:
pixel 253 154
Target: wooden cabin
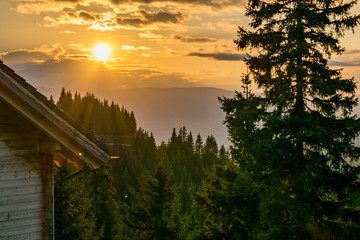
pixel 33 134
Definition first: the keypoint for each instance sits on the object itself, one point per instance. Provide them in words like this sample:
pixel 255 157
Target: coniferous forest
pixel 144 194
pixel 292 171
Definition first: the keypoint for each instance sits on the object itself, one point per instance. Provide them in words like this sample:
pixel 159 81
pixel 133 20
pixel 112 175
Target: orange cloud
pixel 189 39
pixel 54 52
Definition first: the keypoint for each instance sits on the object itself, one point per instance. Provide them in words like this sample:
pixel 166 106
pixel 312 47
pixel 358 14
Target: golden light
pixel 101 52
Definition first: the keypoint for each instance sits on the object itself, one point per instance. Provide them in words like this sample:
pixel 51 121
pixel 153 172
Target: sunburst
pixel 101 52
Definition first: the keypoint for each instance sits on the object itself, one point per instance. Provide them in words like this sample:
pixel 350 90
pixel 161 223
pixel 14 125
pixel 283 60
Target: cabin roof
pixel 46 116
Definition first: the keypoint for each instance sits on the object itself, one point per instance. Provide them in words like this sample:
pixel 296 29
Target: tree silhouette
pixel 296 141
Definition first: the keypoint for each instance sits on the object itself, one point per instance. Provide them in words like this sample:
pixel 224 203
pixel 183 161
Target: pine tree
pixel 223 154
pixel 150 216
pixel 104 206
pixel 198 145
pixel 296 140
pixel 74 218
pixel 228 203
pixel 210 154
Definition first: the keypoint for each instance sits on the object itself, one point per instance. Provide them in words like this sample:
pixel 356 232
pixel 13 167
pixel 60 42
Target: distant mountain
pixel 159 110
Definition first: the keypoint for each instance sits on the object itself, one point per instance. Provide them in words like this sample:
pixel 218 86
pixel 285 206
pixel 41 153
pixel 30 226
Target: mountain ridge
pixel 159 110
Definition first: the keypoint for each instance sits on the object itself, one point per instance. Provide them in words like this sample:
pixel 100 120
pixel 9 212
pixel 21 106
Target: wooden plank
pixel 16 191
pixel 28 229
pixel 18 208
pixel 22 160
pixel 17 152
pixel 20 191
pixel 15 135
pixel 20 214
pixel 10 224
pixel 48 210
pixel 18 174
pixel 16 143
pixel 20 199
pixel 29 236
pixel 20 184
pixel 17 170
pixel 18 167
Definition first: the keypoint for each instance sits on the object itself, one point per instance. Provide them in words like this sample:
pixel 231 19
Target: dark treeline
pixel 119 201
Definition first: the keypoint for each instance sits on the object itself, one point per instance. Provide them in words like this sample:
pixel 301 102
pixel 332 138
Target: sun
pixel 101 52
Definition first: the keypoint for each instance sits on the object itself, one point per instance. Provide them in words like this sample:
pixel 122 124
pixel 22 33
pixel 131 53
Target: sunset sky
pixel 153 43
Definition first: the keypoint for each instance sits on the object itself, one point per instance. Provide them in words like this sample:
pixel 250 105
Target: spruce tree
pixel 104 205
pixel 296 140
pixel 74 218
pixel 151 214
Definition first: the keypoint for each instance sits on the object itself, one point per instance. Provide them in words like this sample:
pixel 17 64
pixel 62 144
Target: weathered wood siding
pixel 25 184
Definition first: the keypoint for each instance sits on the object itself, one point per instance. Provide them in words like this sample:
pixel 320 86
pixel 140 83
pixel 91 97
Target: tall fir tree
pixel 296 141
pixel 151 215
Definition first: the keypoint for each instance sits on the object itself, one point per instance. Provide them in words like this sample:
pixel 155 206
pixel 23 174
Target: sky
pixel 153 43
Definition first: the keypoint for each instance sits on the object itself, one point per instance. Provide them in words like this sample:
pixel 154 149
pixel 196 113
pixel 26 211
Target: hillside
pixel 159 110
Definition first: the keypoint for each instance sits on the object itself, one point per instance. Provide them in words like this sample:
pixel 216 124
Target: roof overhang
pixel 48 118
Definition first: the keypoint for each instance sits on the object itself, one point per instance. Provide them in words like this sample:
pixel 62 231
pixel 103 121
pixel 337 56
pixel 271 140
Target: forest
pixel 119 200
pixel 292 171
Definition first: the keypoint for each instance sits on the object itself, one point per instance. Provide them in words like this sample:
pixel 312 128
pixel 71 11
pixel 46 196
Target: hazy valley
pixel 159 110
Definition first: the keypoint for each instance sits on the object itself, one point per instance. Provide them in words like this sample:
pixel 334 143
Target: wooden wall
pixel 25 183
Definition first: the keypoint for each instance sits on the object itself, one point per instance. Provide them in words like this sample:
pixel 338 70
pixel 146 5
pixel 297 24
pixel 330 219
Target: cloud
pixel 350 58
pixel 344 64
pixel 83 15
pixel 150 35
pixel 211 3
pixel 68 32
pixel 50 22
pixel 98 21
pixel 87 16
pixel 189 39
pixel 40 6
pixel 119 1
pixel 54 52
pixel 110 20
pixel 219 56
pixel 37 7
pixel 133 48
pixel 352 51
pixel 148 18
pixel 73 1
pixel 161 16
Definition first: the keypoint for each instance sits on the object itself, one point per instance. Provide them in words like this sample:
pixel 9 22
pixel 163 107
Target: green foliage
pixel 190 161
pixel 106 188
pixel 150 215
pixel 74 218
pixel 293 144
pixel 116 127
pixel 98 117
pixel 85 207
pixel 104 206
pixel 136 157
pixel 230 204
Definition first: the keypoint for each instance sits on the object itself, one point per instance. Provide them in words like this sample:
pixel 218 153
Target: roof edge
pixel 72 134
